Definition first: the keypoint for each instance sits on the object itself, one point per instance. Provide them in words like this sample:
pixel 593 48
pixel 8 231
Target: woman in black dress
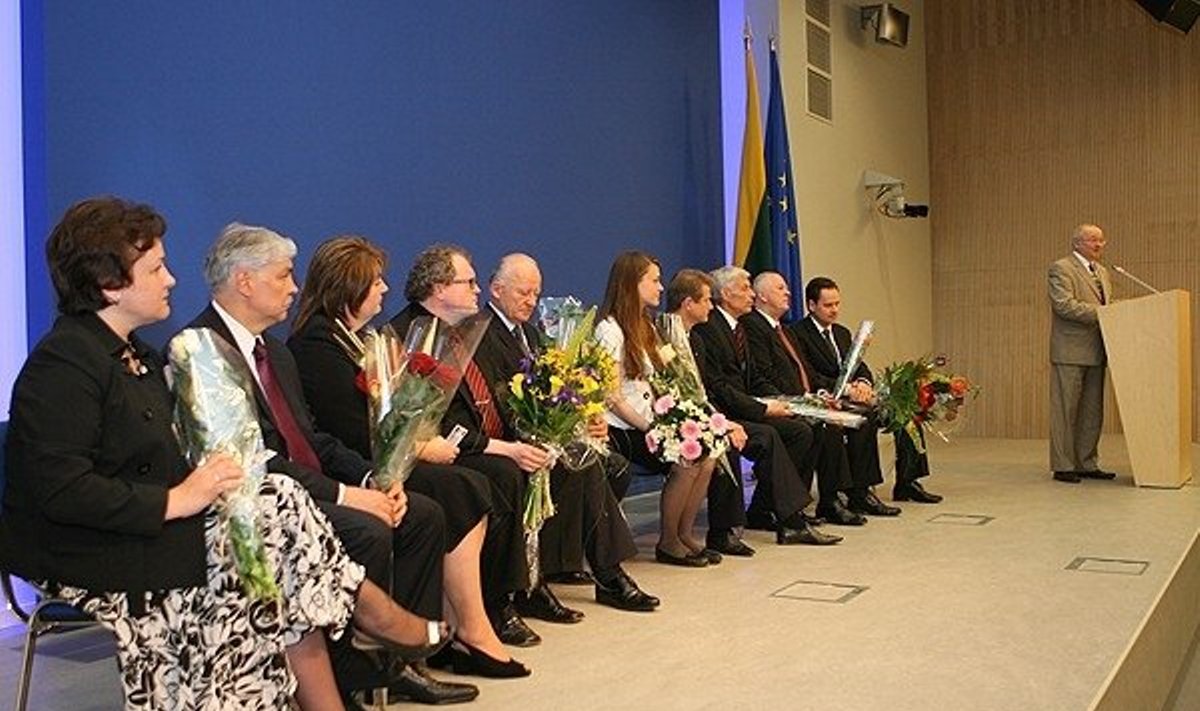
pixel 343 289
pixel 101 509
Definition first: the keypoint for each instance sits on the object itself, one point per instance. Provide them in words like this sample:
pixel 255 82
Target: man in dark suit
pixel 778 367
pixel 442 285
pixel 249 272
pixel 719 347
pixel 825 343
pixel 588 523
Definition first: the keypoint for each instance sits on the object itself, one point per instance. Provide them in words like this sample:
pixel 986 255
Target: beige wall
pixel 880 123
pixel 1043 115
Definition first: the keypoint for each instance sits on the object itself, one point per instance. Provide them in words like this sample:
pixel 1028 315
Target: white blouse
pixel 636 392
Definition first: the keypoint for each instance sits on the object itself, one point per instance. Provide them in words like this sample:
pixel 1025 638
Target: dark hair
pixel 432 267
pixel 93 248
pixel 339 278
pixel 621 301
pixel 814 287
pixel 687 284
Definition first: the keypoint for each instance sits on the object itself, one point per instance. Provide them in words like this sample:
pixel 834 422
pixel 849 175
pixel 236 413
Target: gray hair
pixel 509 264
pixel 760 281
pixel 432 267
pixel 245 246
pixel 1082 231
pixel 723 277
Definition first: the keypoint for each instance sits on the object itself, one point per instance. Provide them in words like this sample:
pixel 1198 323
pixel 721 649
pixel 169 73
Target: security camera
pixel 889 196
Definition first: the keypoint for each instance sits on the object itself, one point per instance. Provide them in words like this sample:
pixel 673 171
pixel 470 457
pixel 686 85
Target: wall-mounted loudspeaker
pixel 1181 14
pixel 890 23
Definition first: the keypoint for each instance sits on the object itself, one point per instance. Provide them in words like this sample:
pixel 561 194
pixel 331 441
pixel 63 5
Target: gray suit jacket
pixel 1074 323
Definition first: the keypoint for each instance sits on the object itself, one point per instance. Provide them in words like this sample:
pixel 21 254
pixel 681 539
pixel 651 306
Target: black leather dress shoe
pixel 913 491
pixel 683 561
pixel 870 504
pixel 838 515
pixel 542 604
pixel 416 685
pixel 623 593
pixel 805 535
pixel 575 577
pixel 727 542
pixel 512 630
pixel 761 520
pixel 812 520
pixel 1068 477
pixel 1096 474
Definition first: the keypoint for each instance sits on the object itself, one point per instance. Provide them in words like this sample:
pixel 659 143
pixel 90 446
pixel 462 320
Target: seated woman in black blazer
pixel 100 507
pixel 345 284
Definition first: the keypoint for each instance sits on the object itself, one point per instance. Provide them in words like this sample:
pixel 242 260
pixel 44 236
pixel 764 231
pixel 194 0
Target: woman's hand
pixel 597 428
pixel 218 474
pixel 528 457
pixel 737 436
pixel 438 450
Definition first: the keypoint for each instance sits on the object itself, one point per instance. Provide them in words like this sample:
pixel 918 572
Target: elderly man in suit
pixel 778 366
pixel 249 273
pixel 1079 286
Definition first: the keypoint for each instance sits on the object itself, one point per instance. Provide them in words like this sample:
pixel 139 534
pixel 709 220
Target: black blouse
pixel 90 455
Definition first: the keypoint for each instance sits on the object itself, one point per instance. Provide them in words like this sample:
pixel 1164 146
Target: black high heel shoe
pixel 438 634
pixel 462 658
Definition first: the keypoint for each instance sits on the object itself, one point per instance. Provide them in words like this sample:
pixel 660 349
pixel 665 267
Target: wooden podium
pixel 1149 345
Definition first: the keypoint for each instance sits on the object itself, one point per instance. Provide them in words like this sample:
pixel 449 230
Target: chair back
pixel 3 440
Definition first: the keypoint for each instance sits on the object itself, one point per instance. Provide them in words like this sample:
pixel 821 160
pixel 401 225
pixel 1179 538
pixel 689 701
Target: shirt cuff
pixel 341 493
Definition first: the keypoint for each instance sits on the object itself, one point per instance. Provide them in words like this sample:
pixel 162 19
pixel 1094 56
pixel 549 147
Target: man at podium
pixel 1079 285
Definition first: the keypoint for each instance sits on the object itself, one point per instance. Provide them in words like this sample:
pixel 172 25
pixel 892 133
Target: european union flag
pixel 785 228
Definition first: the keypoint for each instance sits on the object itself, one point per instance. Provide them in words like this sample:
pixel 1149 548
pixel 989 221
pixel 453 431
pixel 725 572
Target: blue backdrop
pixel 571 130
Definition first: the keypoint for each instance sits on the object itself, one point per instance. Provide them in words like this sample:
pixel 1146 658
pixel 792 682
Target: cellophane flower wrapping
pixel 850 361
pixel 215 414
pixel 409 385
pixel 686 428
pixel 920 394
pixel 551 399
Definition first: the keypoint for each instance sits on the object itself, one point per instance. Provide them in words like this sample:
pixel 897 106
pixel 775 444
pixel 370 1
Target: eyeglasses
pixel 470 282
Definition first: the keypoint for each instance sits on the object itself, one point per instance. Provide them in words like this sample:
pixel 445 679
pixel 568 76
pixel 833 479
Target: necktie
pixel 794 356
pixel 837 355
pixel 482 395
pixel 298 448
pixel 519 334
pixel 739 342
pixel 1099 284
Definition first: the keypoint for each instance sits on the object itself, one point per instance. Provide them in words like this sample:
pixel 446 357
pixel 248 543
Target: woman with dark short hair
pixel 102 510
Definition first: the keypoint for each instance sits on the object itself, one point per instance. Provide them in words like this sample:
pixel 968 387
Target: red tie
pixel 739 342
pixel 298 448
pixel 477 384
pixel 795 357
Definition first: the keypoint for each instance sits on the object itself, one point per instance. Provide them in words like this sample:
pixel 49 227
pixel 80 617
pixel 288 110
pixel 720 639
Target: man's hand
pixel 528 457
pixel 737 435
pixel 597 428
pixel 776 408
pixel 862 392
pixel 377 503
pixel 399 501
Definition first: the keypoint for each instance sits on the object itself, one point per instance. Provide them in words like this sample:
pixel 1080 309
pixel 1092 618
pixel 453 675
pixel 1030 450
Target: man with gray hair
pixel 1079 286
pixel 720 349
pixel 249 273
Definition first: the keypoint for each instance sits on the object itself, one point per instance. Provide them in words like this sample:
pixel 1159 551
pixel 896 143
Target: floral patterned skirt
pixel 214 648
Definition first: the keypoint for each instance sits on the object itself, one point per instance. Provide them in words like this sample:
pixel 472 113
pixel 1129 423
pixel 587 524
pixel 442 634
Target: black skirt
pixel 464 495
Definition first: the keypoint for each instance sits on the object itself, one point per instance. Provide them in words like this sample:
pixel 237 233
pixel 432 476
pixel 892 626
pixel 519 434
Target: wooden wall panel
pixel 1044 114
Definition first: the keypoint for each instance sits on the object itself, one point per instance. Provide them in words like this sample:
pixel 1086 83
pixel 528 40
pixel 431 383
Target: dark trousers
pixel 831 462
pixel 784 450
pixel 727 498
pixel 910 464
pixel 587 523
pixel 503 568
pixel 862 448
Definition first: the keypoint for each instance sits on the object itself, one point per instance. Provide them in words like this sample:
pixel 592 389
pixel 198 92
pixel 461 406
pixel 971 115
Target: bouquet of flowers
pixel 851 360
pixel 409 384
pixel 214 413
pixel 687 429
pixel 918 393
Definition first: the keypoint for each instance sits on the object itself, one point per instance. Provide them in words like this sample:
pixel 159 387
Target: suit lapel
pixel 1082 274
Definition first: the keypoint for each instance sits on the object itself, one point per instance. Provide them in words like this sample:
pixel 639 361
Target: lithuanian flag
pixel 752 239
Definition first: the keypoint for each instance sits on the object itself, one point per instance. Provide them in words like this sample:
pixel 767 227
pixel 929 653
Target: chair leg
pixel 23 682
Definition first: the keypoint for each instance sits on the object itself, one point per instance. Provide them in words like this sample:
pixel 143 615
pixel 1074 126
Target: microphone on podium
pixel 1121 270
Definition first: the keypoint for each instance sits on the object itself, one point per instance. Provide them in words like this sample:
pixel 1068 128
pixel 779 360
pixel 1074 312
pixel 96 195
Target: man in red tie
pixel 442 283
pixel 398 537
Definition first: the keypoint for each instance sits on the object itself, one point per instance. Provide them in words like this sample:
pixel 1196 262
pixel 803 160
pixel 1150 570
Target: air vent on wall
pixel 819 53
pixel 818 10
pixel 820 95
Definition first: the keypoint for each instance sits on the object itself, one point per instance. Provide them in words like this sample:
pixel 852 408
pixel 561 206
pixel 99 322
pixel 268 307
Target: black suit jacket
pixel 328 374
pixel 338 462
pixel 816 351
pixel 724 377
pixel 90 455
pixel 463 410
pixel 770 370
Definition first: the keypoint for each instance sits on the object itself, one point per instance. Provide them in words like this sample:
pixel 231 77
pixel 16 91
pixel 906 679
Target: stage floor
pixel 1017 592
